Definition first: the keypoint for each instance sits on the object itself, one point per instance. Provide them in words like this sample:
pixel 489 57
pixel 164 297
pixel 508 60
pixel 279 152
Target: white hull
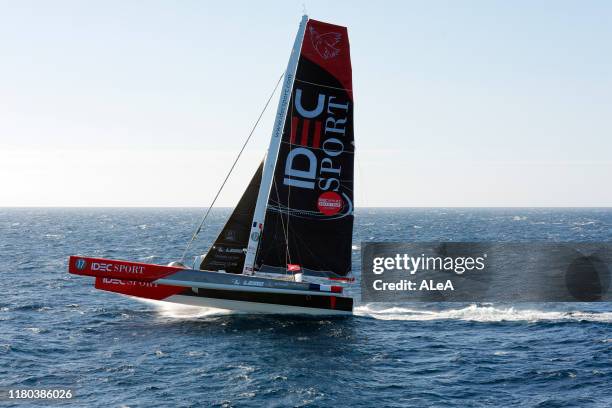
pixel 252 307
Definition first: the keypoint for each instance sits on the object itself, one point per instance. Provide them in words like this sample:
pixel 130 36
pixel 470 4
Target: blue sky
pixel 141 103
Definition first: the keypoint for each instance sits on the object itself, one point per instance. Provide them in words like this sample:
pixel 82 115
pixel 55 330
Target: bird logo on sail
pixel 325 44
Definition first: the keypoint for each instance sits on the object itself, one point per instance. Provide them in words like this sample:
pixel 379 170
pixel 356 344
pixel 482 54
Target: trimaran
pixel 293 225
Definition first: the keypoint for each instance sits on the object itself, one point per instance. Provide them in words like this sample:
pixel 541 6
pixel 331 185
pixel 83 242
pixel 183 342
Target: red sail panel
pixel 327 45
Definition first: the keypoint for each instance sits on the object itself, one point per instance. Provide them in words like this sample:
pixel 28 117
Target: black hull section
pixel 338 303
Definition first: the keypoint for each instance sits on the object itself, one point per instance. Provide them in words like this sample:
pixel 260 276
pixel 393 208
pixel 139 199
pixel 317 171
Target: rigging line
pixel 288 254
pixel 324 86
pixel 197 231
pixel 285 233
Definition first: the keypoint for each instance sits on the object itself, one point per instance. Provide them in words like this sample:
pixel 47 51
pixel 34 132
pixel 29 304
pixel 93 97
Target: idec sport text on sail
pixel 328 121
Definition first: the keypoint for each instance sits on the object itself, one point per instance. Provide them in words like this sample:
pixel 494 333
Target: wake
pixel 479 313
pixel 474 313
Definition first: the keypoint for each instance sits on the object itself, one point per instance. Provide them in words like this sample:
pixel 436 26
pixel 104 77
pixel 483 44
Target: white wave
pixel 34 329
pixel 581 224
pixel 176 311
pixel 480 314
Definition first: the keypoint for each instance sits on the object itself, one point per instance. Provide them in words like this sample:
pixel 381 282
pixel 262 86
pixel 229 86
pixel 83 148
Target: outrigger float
pixel 293 225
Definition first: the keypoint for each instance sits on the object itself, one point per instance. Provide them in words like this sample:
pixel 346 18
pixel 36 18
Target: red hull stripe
pixel 330 288
pixel 147 290
pixel 294 123
pixel 112 268
pixel 305 127
pixel 316 142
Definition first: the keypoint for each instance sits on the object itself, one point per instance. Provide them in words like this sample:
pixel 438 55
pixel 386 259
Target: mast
pixel 270 161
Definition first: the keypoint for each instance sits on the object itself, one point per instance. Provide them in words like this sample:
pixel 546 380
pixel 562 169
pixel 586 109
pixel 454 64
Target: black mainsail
pixel 298 209
pixel 309 215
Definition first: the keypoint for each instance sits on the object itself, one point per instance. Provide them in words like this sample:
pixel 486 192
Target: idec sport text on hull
pixel 328 119
pixel 109 267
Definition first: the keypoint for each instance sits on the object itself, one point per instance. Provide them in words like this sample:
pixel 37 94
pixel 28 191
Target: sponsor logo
pixel 326 44
pixel 316 156
pixel 97 266
pixel 247 283
pixel 226 250
pixel 109 281
pixel 109 267
pixel 254 236
pixel 329 203
pixel 253 283
pixel 80 264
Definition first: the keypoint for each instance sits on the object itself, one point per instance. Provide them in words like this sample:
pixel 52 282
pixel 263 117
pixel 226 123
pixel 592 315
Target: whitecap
pixel 34 329
pixel 581 224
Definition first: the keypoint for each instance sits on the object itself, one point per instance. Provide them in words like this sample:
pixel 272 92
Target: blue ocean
pixel 57 332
